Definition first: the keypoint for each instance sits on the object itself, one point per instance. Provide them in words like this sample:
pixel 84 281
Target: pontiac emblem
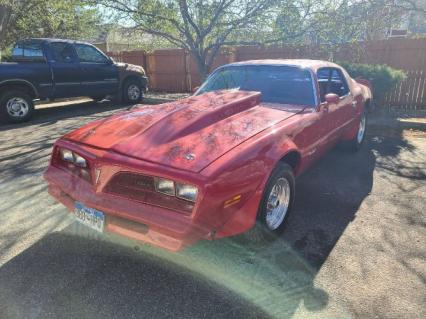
pixel 190 156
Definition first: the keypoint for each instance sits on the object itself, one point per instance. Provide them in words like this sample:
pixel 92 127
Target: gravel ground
pixel 353 248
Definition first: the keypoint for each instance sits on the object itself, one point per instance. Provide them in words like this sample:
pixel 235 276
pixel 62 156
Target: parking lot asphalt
pixel 354 246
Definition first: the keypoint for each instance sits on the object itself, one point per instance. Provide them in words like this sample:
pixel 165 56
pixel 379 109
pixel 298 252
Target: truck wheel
pixel 132 91
pixel 17 106
pixel 276 205
pixel 355 144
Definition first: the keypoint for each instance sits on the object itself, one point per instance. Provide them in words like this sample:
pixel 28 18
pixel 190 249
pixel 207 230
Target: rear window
pixel 28 51
pixel 278 84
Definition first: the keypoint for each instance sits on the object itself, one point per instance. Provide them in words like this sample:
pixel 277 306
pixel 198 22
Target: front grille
pixel 130 180
pixel 142 188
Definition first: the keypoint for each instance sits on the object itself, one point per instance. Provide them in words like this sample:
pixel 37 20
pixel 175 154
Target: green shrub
pixel 6 55
pixel 383 77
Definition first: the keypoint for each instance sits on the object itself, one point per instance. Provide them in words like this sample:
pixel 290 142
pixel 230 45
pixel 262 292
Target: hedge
pixel 383 77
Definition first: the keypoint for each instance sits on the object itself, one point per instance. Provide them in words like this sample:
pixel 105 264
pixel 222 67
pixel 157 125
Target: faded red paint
pixel 226 143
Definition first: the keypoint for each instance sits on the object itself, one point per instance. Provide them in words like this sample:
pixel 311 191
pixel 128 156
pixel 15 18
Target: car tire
pixel 280 192
pixel 355 144
pixel 16 106
pixel 132 92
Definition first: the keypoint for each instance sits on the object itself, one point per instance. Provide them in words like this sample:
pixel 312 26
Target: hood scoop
pixel 216 106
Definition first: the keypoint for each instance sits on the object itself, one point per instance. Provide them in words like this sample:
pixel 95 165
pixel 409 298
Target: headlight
pixel 187 192
pixel 165 186
pixel 71 157
pixel 66 155
pixel 79 161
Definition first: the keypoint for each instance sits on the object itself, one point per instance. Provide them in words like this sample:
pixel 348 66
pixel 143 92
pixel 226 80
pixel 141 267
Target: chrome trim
pixel 67 83
pixel 316 92
pixel 99 82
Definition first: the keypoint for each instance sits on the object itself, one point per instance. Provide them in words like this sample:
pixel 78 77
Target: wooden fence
pixel 176 71
pixel 410 94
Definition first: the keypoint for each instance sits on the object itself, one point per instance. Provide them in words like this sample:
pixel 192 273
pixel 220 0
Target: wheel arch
pixel 130 77
pixel 292 158
pixel 19 84
pixel 368 105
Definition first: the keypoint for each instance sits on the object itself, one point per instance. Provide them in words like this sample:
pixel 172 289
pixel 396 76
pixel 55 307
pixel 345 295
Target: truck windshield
pixel 278 84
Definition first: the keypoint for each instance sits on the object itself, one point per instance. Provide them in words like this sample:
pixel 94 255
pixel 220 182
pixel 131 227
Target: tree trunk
pixel 201 64
pixel 4 18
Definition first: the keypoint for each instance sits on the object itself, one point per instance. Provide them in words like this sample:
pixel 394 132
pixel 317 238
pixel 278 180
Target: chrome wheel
pixel 361 130
pixel 133 92
pixel 17 107
pixel 278 203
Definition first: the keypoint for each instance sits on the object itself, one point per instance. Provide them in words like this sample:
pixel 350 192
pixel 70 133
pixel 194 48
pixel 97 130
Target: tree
pixel 45 18
pixel 332 22
pixel 201 27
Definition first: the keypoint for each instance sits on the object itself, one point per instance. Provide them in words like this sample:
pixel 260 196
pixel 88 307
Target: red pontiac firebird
pixel 216 164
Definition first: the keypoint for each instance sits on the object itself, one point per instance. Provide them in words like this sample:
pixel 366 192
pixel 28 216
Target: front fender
pixel 243 173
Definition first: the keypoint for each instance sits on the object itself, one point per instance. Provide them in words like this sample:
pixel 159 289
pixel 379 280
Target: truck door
pixel 99 74
pixel 65 70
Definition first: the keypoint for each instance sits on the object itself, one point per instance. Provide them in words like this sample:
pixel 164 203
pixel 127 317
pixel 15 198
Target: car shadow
pixel 54 112
pixel 65 276
pixel 47 114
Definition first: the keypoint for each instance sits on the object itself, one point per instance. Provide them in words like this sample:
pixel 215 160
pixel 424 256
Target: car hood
pixel 187 134
pixel 126 67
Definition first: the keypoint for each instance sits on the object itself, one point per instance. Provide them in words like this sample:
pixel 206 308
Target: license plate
pixel 89 217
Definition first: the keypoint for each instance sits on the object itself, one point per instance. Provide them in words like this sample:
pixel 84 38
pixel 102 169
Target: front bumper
pixel 137 221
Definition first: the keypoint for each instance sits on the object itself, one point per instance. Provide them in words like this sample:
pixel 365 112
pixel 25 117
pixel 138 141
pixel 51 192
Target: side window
pixel 331 80
pixel 87 53
pixel 338 83
pixel 28 51
pixel 323 76
pixel 62 52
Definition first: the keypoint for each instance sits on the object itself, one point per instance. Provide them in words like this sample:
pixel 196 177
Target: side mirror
pixel 195 89
pixel 332 98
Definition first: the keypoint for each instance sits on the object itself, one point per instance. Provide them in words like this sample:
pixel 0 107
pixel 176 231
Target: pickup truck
pixel 48 69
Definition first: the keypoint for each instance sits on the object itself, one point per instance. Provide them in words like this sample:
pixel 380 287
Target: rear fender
pixel 25 85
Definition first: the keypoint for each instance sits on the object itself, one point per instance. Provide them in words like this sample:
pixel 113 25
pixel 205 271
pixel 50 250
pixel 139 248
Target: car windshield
pixel 278 84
